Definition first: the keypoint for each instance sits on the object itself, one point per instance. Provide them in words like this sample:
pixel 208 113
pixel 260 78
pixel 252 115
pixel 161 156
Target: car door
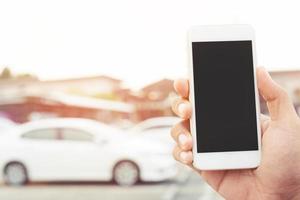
pixel 41 150
pixel 159 132
pixel 82 155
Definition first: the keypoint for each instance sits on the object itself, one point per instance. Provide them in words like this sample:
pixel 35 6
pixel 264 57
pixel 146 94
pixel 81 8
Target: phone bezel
pixel 232 159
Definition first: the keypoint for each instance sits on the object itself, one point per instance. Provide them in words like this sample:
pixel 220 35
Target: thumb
pixel 279 104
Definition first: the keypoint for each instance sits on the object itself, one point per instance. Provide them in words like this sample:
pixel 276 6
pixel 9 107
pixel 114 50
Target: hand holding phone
pixel 277 176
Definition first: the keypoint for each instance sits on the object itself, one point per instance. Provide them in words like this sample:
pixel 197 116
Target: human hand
pixel 278 176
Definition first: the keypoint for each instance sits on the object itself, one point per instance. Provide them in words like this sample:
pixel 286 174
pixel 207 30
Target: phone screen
pixel 225 108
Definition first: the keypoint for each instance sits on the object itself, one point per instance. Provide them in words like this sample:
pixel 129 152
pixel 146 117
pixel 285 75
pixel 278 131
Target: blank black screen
pixel 224 96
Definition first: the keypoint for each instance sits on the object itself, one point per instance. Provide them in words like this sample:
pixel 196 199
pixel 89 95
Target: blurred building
pixel 26 108
pixel 101 98
pixel 90 97
pixel 153 100
pixel 97 86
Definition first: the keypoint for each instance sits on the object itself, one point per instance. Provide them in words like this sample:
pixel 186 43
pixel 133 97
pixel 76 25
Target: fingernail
pixel 181 108
pixel 182 139
pixel 184 156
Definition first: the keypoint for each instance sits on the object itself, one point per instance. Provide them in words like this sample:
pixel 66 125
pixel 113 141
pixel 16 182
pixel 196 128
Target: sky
pixel 138 41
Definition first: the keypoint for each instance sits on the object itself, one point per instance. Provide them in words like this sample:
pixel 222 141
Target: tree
pixel 6 73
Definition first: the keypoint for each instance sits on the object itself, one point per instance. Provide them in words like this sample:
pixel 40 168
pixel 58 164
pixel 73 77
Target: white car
pixel 80 149
pixel 6 124
pixel 157 128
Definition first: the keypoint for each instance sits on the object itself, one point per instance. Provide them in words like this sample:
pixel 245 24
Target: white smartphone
pixel 225 120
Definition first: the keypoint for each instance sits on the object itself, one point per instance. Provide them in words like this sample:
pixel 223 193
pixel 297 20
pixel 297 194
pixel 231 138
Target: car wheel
pixel 126 173
pixel 15 174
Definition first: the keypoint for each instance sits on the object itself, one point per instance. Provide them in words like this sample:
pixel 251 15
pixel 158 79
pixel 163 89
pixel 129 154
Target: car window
pixel 42 134
pixel 75 135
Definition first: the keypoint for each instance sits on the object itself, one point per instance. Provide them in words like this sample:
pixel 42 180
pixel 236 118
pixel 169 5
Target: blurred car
pixel 6 124
pixel 157 128
pixel 70 149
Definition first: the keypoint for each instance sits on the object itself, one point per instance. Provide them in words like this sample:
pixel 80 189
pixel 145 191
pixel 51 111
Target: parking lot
pixel 186 186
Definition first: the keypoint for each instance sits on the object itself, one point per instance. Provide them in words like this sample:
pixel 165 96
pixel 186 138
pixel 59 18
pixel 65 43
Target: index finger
pixel 181 86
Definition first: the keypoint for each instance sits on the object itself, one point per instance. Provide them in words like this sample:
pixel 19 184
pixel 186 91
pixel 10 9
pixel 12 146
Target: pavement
pixel 186 186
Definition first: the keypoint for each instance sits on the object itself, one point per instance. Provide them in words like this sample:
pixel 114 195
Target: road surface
pixel 187 186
